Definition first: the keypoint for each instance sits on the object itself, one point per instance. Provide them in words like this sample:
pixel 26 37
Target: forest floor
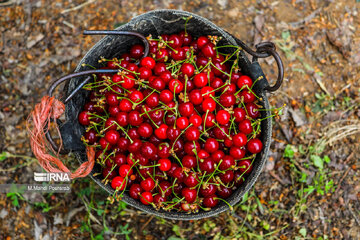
pixel 310 186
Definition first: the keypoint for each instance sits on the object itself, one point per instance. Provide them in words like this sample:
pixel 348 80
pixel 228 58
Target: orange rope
pixel 37 125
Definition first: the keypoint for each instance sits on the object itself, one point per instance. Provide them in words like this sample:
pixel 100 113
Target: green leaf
pixel 289 151
pixel 285 35
pixel 326 159
pixel 302 231
pixel 174 238
pixel 176 230
pixel 317 161
pixel 3 156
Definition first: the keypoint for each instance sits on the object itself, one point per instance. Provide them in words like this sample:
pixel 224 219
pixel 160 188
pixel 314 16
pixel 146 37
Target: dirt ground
pixel 310 187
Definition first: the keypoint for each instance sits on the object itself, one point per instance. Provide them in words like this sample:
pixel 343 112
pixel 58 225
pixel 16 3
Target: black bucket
pixel 168 22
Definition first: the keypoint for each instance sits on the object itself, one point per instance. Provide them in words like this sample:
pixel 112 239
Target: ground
pixel 310 186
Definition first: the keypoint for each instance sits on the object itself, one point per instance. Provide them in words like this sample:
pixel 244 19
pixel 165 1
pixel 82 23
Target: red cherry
pixel 207 92
pixel 224 192
pixel 135 146
pixel 227 176
pixel 90 136
pixel 135 191
pixel 227 99
pixel 134 118
pixel 128 81
pixel 118 183
pixel 136 51
pixel 210 201
pixel 182 122
pixel 112 136
pixel 192 134
pixel 104 143
pixel 191 180
pixel 254 145
pixel 186 37
pixel 202 41
pixel 161 131
pixel 196 97
pixel 223 117
pixel 147 184
pixel 244 81
pixel 239 139
pixel 209 121
pixel 187 69
pixel 208 191
pixel 125 105
pixel 237 152
pixel 201 62
pixel 125 170
pixel 162 55
pixel 145 130
pixel 84 118
pixel 200 80
pixel 147 62
pixel 166 96
pixel 207 165
pixel 208 50
pixel 108 173
pixel 159 68
pixel 195 120
pixel 217 156
pixel 165 188
pixel 190 148
pixel 211 145
pixel 146 198
pixel 136 96
pixel 228 162
pixel 186 109
pixel 189 161
pixel 252 110
pixel 239 114
pixel 189 194
pixel 145 73
pixel 122 119
pixel 176 86
pixel 111 99
pixel 175 41
pixel 247 96
pixel 245 166
pixel 152 100
pixel 209 105
pixel 148 150
pixel 110 123
pixel 165 164
pixel 178 54
pixel 245 126
pixel 158 84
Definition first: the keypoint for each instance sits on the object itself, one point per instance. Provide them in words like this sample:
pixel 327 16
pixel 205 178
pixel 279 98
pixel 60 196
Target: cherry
pixel 237 152
pixel 163 150
pixel 245 166
pixel 84 118
pixel 217 156
pixel 178 54
pixel 209 121
pixel 152 100
pixel 211 145
pixel 90 136
pixel 89 107
pixel 119 159
pixel 125 170
pixel 136 51
pixel 224 192
pixel 207 165
pixel 128 81
pixel 195 120
pixel 158 199
pixel 207 92
pixel 165 164
pixel 178 174
pixel 227 176
pixel 166 76
pixel 227 99
pixel 135 191
pixel 209 105
pixel 157 84
pixel 247 96
pixel 136 96
pixel 161 131
pixel 176 86
pixel 207 190
pixel 254 145
pixel 192 134
pixel 191 147
pixel 210 201
pixel 147 184
pixel 189 195
pixel 202 41
pixel 134 118
pixel 104 143
pixel 227 162
pixel 145 130
pixel 223 117
pixel 108 173
pixel 162 55
pixel 189 161
pixel 200 80
pixel 122 119
pixel 159 68
pixel 135 146
pixel 191 180
pixel 239 139
pixel 186 37
pixel 239 114
pixel 118 183
pixel 187 69
pixel 148 150
pixel 147 62
pixel 201 62
pixel 252 110
pixel 186 109
pixel 112 136
pixel 182 122
pixel 166 96
pixel 245 126
pixel 208 50
pixel 146 198
pixel 196 97
pixel 244 81
pixel 145 73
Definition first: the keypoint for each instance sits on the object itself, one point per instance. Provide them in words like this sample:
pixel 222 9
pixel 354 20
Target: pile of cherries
pixel 178 129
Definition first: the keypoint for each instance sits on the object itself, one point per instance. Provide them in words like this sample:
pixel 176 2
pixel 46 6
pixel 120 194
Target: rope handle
pixel 37 126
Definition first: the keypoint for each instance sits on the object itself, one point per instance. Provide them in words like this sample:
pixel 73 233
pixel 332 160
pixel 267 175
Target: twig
pixel 243 220
pixel 147 222
pixel 305 20
pixel 353 214
pixel 342 179
pixel 277 178
pixel 78 7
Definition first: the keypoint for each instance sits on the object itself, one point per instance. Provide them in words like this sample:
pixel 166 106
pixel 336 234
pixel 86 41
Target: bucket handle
pixel 264 50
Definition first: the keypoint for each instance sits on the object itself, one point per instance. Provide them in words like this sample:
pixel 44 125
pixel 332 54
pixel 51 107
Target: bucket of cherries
pixel 174 113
